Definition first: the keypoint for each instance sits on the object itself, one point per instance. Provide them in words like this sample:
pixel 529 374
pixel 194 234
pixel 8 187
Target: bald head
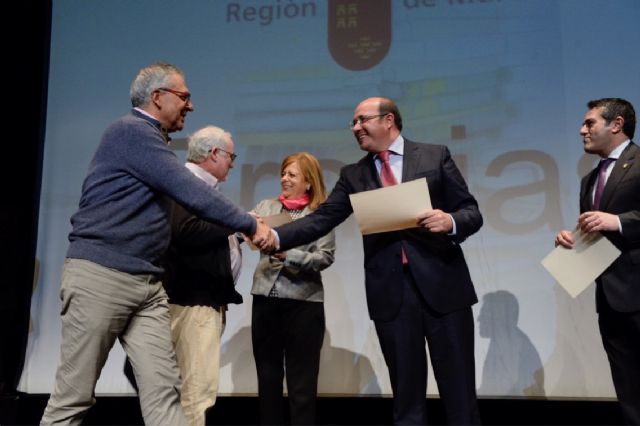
pixel 376 124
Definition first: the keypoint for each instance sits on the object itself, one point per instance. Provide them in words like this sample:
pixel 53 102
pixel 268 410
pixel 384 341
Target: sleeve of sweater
pixel 146 156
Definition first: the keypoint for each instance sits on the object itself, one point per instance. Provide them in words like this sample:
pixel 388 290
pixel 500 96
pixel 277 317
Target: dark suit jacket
pixel 436 261
pixel 620 283
pixel 198 264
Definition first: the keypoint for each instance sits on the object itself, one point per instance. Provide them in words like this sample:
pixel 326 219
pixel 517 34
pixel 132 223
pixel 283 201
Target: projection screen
pixel 502 83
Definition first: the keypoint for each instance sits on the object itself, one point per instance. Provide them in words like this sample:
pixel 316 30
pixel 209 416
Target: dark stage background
pixel 340 411
pixel 26 61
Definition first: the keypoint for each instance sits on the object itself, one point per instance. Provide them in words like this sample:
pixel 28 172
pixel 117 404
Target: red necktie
pixel 602 177
pixel 388 179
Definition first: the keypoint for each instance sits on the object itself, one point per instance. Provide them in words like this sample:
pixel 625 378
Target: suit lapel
pixel 410 160
pixel 586 200
pixel 369 177
pixel 620 169
pixel 275 207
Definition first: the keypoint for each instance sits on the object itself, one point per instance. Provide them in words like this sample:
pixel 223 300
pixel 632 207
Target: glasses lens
pixel 230 154
pixel 363 119
pixel 183 96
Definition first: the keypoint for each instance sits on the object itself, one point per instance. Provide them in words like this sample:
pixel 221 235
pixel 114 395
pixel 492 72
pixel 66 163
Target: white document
pixel 391 208
pixel 574 269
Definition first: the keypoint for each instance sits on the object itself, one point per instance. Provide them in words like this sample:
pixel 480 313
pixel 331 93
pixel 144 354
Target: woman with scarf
pixel 288 321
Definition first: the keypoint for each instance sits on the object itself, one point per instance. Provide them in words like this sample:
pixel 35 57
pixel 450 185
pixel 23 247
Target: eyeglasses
pixel 230 154
pixel 364 118
pixel 184 96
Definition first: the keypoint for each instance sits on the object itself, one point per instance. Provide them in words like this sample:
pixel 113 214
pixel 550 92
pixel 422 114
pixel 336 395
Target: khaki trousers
pixel 100 305
pixel 196 333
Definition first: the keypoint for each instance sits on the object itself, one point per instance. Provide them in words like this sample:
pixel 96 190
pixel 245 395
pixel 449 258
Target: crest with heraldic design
pixel 359 32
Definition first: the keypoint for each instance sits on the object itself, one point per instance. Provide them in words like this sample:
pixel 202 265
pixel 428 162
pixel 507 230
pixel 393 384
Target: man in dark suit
pixel 607 130
pixel 417 282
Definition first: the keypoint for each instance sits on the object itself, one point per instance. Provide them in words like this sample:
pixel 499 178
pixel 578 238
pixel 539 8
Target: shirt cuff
pixel 277 237
pixel 454 229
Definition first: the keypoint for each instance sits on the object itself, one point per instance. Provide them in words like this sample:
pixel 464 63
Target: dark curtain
pixel 24 93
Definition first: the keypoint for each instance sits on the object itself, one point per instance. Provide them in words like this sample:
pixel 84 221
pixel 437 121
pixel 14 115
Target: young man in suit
pixel 417 282
pixel 614 210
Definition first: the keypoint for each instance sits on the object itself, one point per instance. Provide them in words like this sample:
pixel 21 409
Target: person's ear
pixel 212 154
pixel 617 125
pixel 155 98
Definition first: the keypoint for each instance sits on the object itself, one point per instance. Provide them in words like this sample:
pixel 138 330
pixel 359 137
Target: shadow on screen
pixel 512 366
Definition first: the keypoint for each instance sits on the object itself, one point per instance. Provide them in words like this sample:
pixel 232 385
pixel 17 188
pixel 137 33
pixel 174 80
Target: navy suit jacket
pixel 436 261
pixel 620 283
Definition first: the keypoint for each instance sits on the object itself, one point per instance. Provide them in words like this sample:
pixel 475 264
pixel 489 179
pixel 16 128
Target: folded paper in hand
pixel 391 208
pixel 574 269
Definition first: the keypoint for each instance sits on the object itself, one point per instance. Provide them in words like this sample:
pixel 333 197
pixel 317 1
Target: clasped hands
pixel 264 238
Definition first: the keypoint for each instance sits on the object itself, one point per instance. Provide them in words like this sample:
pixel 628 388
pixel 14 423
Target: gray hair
pixel 150 79
pixel 204 140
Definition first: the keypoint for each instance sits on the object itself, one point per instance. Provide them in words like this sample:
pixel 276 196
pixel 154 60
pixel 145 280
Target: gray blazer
pixel 298 277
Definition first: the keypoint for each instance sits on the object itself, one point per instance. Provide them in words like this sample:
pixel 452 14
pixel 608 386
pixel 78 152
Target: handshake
pixel 265 238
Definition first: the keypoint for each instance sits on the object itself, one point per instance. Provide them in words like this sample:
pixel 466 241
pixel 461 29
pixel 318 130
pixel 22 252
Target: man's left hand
pixel 598 221
pixel 435 221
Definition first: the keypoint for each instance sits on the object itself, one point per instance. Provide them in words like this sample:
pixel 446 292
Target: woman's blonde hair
pixel 312 173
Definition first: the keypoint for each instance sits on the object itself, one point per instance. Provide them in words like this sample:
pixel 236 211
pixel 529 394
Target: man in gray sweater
pixel 110 287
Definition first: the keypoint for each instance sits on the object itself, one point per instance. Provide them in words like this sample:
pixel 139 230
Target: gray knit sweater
pixel 123 221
